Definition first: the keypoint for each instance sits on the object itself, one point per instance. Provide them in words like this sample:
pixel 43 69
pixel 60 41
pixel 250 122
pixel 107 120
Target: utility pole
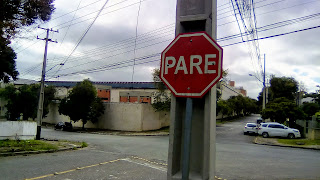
pixel 264 83
pixel 41 95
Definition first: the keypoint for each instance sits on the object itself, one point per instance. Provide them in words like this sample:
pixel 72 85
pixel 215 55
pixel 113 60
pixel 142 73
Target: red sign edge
pixel 189 95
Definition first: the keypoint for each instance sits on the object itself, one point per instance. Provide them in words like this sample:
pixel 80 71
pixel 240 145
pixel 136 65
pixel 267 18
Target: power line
pixel 127 62
pixel 264 28
pixel 84 34
pixel 276 35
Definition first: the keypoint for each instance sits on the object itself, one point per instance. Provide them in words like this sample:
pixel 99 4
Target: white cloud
pixel 295 55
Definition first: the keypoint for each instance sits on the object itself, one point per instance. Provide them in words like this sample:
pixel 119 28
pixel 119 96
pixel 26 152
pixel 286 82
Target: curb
pixel 124 134
pixel 280 145
pixel 37 152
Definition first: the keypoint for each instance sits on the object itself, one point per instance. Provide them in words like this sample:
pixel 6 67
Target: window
pixel 272 126
pixel 278 126
pixel 251 125
pixel 264 125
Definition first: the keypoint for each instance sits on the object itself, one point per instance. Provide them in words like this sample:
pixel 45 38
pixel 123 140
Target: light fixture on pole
pixel 264 95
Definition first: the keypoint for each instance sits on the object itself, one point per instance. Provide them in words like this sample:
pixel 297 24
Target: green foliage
pixel 7 61
pixel 25 100
pixel 280 109
pixel 157 81
pixel 19 13
pixel 224 107
pixel 283 87
pixel 82 103
pixel 14 14
pixel 250 106
pixel 310 108
pixel 162 100
pixel 238 104
pixel 84 144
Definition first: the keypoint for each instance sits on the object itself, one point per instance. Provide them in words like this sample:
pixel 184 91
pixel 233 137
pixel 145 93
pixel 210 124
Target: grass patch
pixel 84 144
pixel 301 142
pixel 25 145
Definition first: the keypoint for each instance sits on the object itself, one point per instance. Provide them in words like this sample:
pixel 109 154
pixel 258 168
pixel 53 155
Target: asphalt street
pixel 145 157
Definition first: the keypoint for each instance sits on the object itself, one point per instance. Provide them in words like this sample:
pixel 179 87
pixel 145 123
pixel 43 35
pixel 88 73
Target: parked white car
pixel 250 128
pixel 279 130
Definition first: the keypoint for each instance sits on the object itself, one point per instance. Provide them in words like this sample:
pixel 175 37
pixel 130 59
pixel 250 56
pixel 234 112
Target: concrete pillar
pixel 194 16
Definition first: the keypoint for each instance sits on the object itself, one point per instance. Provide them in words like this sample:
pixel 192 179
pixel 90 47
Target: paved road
pixel 124 157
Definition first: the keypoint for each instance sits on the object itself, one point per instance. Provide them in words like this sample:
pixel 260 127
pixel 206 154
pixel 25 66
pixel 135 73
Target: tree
pixel 7 61
pixel 14 14
pixel 82 104
pixel 224 108
pixel 310 108
pixel 280 109
pixel 237 104
pixel 25 100
pixel 250 106
pixel 283 87
pixel 162 100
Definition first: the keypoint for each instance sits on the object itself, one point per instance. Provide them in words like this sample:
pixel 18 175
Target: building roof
pixel 116 85
pixel 24 82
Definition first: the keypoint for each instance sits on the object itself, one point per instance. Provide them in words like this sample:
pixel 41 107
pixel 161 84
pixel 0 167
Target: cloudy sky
pixel 106 51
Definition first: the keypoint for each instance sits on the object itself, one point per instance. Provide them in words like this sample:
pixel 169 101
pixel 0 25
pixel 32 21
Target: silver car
pixel 250 128
pixel 279 130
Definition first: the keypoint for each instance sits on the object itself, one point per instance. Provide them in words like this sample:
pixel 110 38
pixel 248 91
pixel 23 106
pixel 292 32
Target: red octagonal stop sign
pixel 191 64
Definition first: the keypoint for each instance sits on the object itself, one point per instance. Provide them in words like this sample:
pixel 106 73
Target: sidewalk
pixel 274 142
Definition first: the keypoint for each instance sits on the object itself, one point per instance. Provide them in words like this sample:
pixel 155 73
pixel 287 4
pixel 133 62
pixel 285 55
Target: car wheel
pixel 265 135
pixel 291 136
pixel 245 133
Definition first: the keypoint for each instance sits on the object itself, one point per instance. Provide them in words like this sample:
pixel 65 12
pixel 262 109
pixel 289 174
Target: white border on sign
pixel 213 81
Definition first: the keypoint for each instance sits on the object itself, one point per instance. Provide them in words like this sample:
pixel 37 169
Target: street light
pixel 264 91
pixel 263 82
pixel 255 77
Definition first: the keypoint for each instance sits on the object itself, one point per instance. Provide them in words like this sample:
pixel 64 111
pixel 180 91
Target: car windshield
pixel 251 125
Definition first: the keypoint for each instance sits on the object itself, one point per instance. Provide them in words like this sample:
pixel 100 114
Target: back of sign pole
pixel 194 16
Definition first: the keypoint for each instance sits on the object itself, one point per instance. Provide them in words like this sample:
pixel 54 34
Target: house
pixel 228 89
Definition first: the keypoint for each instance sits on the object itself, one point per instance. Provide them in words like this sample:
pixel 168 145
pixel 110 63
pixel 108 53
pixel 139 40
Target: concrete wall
pixel 311 128
pixel 153 120
pixel 18 130
pixel 54 117
pixel 119 116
